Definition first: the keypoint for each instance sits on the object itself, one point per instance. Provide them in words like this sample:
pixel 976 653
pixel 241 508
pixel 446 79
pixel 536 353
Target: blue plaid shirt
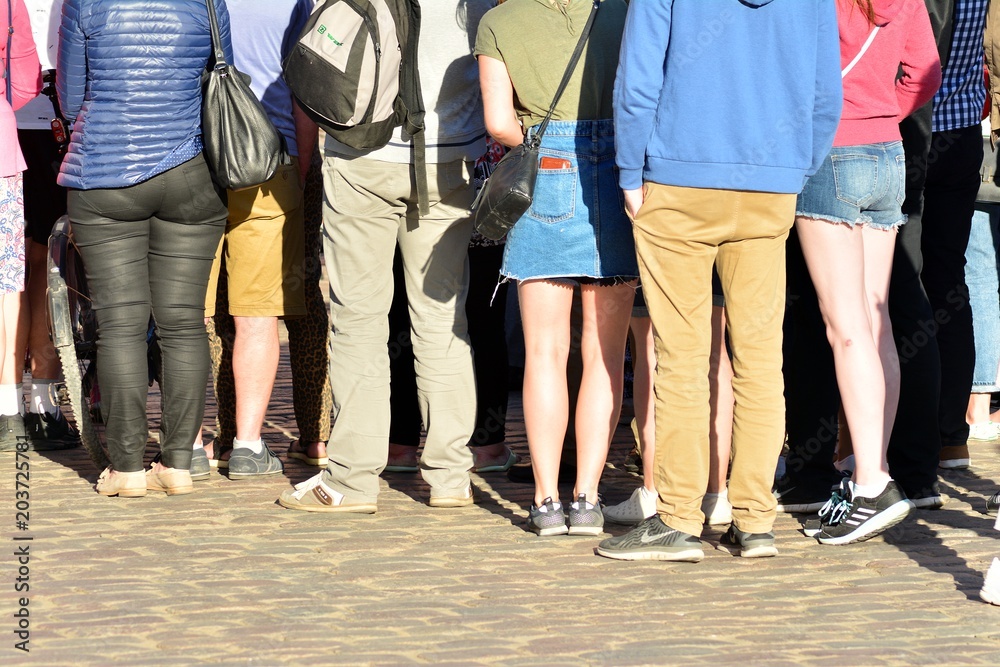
pixel 959 102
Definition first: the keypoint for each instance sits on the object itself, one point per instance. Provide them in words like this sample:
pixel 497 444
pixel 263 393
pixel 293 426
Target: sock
pixel 10 399
pixel 41 398
pixel 255 446
pixel 646 493
pixel 198 445
pixel 868 490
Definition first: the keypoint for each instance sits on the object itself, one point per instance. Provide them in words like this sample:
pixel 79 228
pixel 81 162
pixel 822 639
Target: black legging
pixel 148 249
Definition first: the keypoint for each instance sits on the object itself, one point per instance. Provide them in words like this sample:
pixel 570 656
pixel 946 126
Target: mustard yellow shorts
pixel 262 250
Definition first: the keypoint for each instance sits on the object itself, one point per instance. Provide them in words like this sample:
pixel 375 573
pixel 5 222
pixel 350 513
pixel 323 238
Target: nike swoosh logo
pixel 646 538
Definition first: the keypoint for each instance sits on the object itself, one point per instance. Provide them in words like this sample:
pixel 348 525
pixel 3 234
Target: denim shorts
pixel 858 185
pixel 576 226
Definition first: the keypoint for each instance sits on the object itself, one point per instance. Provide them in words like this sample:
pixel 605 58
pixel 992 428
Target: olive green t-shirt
pixel 535 39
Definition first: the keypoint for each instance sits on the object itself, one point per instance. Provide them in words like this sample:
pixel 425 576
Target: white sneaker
pixel 991 585
pixel 717 509
pixel 984 432
pixel 640 506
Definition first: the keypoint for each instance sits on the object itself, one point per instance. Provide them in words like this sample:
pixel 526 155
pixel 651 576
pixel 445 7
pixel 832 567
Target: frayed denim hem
pixel 864 220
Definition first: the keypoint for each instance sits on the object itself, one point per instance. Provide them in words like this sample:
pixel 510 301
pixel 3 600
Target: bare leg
pixel 835 255
pixel 606 314
pixel 644 366
pixel 255 364
pixel 545 311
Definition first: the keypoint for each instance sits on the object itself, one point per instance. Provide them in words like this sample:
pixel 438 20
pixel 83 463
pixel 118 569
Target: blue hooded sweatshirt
pixel 727 94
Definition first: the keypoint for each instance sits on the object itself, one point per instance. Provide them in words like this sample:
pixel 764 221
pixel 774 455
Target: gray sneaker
pixel 585 518
pixel 653 540
pixel 12 432
pixel 547 519
pixel 244 462
pixel 200 467
pixel 748 545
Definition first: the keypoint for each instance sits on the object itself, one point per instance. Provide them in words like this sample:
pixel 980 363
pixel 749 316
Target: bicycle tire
pixel 63 312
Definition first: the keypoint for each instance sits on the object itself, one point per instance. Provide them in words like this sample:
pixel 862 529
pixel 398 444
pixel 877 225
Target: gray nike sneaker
pixel 653 540
pixel 748 545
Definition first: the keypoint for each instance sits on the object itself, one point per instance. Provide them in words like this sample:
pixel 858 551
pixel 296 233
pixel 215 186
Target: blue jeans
pixel 983 279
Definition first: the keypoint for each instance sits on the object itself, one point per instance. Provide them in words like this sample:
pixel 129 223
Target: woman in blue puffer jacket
pixel 145 214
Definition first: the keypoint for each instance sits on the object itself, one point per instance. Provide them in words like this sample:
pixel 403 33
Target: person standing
pixel 574 233
pixel 956 155
pixel 846 218
pixel 20 83
pixel 708 188
pixel 146 216
pixel 262 250
pixel 371 206
pixel 44 203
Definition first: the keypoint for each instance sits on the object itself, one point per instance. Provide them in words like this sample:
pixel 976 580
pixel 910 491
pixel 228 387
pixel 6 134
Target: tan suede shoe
pixel 122 484
pixel 173 481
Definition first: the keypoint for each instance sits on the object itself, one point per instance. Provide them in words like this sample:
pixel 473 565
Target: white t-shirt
pixel 45 16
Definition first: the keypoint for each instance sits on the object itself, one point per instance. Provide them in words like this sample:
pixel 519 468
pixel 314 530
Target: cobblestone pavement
pixel 226 576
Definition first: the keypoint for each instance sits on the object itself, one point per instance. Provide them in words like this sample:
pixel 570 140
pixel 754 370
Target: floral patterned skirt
pixel 11 234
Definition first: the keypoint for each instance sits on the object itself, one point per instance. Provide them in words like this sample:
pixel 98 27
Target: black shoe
pixel 855 519
pixel 12 433
pixel 793 497
pixel 926 498
pixel 993 503
pixel 244 462
pixel 50 432
pixel 523 473
pixel 633 462
pixel 748 545
pixel 653 540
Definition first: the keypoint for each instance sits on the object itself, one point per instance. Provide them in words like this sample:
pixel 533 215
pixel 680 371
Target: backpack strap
pixel 574 59
pixel 413 123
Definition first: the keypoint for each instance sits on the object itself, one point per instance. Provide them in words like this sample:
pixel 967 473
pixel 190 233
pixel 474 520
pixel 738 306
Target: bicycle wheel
pixel 73 328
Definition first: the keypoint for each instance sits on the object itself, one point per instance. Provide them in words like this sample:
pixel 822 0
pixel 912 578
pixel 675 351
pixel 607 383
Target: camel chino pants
pixel 680 233
pixel 369 206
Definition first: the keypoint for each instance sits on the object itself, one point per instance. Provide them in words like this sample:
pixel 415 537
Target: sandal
pixel 502 467
pixel 295 452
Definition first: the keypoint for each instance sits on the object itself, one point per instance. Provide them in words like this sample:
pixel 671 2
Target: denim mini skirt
pixel 576 226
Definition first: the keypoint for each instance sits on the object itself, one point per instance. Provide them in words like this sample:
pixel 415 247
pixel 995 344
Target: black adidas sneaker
pixel 855 519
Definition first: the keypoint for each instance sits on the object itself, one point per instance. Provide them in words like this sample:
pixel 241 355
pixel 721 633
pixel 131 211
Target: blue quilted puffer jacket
pixel 129 82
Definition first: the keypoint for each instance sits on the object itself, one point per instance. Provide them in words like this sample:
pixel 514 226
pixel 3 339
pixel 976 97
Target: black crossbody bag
pixel 507 193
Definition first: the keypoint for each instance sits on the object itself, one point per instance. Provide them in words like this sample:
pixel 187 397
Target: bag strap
pixel 10 38
pixel 213 21
pixel 569 68
pixel 871 38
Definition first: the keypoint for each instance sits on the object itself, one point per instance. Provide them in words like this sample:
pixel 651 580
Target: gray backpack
pixel 353 70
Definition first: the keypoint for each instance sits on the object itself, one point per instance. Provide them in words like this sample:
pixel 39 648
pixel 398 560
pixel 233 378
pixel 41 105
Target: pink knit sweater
pixel 26 83
pixel 874 100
